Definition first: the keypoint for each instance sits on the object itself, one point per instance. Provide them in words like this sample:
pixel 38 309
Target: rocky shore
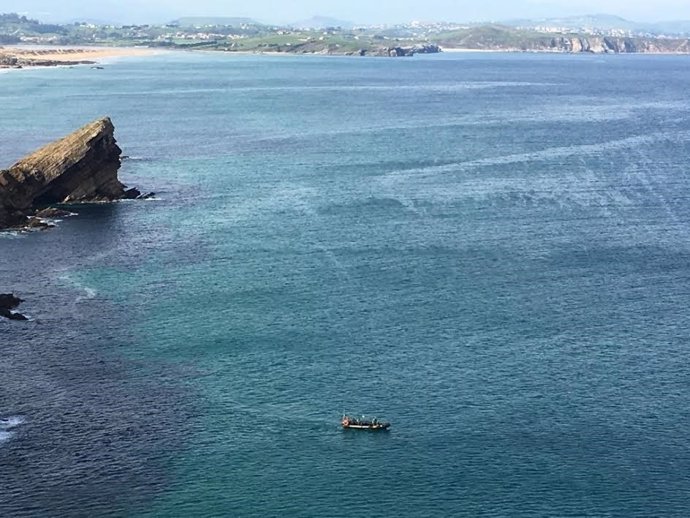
pixel 79 168
pixel 395 52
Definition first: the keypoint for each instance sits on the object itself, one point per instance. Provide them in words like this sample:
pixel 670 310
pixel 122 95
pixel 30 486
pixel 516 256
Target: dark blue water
pixel 490 251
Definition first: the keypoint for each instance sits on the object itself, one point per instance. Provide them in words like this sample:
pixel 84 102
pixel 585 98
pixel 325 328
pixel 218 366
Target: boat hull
pixel 353 423
pixel 373 428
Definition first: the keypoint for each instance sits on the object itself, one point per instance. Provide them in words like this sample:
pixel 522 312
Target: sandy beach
pixel 27 56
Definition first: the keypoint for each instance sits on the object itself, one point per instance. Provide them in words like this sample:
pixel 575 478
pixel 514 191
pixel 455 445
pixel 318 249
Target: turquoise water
pixel 490 251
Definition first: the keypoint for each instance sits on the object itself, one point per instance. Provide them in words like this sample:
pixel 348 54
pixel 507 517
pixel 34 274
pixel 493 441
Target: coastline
pixel 456 50
pixel 44 56
pixel 17 57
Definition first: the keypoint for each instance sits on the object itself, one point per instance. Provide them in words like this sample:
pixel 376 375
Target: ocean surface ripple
pixel 490 251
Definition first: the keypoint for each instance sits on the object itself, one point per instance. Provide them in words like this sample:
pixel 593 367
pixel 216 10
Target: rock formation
pixel 619 45
pixel 396 52
pixel 81 167
pixel 8 302
pixel 505 39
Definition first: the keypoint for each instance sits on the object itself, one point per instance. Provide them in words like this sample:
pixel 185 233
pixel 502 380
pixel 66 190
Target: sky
pixel 358 11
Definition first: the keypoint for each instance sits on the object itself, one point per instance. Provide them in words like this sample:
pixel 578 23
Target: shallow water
pixel 490 251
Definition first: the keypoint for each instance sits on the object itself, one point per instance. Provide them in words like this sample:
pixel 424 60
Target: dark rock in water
pixel 12 218
pixel 135 194
pixel 81 167
pixel 8 302
pixel 131 194
pixel 12 316
pixel 52 212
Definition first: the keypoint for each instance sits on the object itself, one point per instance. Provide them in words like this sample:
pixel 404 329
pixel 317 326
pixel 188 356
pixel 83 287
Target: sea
pixel 491 251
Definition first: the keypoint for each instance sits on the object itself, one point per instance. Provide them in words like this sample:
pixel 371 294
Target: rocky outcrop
pixel 8 302
pixel 401 51
pixel 52 213
pixel 81 167
pixel 612 45
pixel 595 45
pixel 506 39
pixel 428 48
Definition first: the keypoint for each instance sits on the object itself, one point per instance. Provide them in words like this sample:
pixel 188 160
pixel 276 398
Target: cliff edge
pixel 508 39
pixel 81 167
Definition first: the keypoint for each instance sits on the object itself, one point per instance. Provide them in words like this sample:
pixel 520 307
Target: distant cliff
pixel 500 38
pixel 81 167
pixel 611 45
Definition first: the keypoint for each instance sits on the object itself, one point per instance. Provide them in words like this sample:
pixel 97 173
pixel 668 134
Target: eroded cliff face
pixel 81 167
pixel 504 39
pixel 606 45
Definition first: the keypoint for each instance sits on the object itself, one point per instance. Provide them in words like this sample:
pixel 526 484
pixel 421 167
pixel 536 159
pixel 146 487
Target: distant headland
pixel 594 35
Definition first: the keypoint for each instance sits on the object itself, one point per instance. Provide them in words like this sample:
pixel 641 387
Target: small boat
pixel 349 422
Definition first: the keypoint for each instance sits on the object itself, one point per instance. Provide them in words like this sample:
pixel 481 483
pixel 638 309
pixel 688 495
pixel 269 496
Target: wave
pixel 89 292
pixel 10 234
pixel 545 154
pixel 137 200
pixel 432 87
pixel 487 120
pixel 7 426
pixel 11 422
pixel 18 234
pixel 127 158
pixel 67 214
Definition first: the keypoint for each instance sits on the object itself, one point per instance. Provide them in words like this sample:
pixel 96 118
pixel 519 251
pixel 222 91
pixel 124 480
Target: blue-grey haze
pixel 359 11
pixel 491 251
